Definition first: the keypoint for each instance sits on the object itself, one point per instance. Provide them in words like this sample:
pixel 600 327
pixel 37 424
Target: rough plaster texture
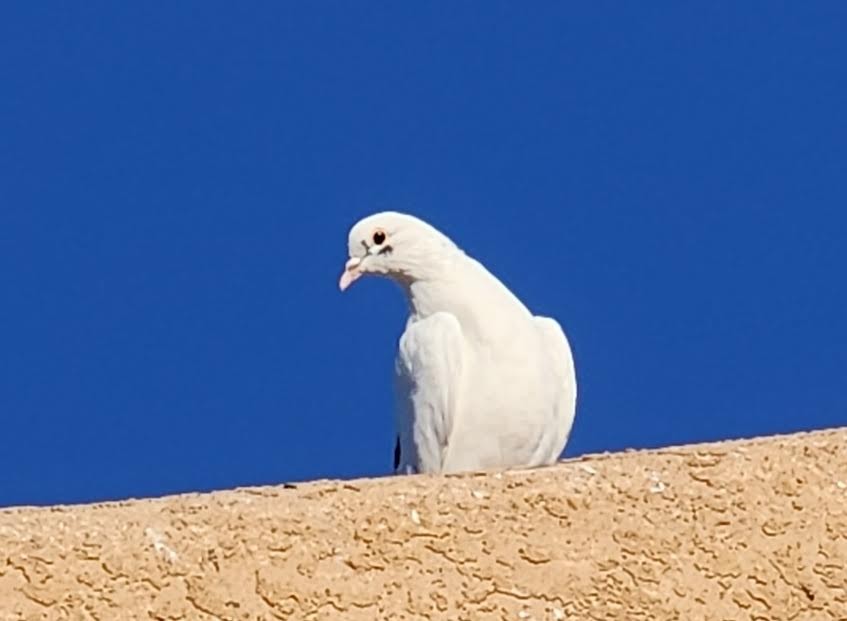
pixel 738 530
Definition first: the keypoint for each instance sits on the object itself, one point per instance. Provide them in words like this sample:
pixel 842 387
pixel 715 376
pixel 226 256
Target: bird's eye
pixel 379 237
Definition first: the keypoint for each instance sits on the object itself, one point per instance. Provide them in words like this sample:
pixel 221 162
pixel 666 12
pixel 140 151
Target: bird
pixel 480 382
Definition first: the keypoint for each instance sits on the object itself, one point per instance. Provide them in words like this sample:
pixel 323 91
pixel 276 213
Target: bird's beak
pixel 351 272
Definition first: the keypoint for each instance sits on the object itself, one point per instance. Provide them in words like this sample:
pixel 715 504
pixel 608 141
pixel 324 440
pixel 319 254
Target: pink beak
pixel 351 273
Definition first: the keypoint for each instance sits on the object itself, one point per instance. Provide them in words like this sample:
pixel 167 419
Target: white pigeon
pixel 481 382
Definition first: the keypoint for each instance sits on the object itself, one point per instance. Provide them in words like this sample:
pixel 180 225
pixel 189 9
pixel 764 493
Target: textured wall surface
pixel 739 530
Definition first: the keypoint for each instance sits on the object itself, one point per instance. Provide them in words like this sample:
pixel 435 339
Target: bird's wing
pixel 558 351
pixel 428 378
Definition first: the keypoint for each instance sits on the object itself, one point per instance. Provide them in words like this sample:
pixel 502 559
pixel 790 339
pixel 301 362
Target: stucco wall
pixel 741 530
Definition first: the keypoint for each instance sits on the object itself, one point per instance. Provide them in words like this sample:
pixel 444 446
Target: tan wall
pixel 746 530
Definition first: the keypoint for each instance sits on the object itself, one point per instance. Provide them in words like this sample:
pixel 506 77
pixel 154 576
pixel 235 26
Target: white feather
pixel 481 382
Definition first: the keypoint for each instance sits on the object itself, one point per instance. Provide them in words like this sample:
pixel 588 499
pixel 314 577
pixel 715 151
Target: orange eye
pixel 379 237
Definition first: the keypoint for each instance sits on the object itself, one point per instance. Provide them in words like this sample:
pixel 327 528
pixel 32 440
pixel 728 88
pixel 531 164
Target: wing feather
pixel 562 366
pixel 428 376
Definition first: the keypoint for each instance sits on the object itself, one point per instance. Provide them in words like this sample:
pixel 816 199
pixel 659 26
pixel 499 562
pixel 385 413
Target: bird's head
pixel 395 245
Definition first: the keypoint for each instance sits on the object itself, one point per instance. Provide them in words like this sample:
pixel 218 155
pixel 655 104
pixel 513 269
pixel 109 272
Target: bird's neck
pixel 427 297
pixel 483 306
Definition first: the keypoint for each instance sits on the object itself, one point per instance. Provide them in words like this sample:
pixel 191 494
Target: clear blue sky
pixel 177 181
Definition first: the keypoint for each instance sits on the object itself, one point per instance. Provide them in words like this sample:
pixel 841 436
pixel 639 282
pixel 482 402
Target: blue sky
pixel 177 181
